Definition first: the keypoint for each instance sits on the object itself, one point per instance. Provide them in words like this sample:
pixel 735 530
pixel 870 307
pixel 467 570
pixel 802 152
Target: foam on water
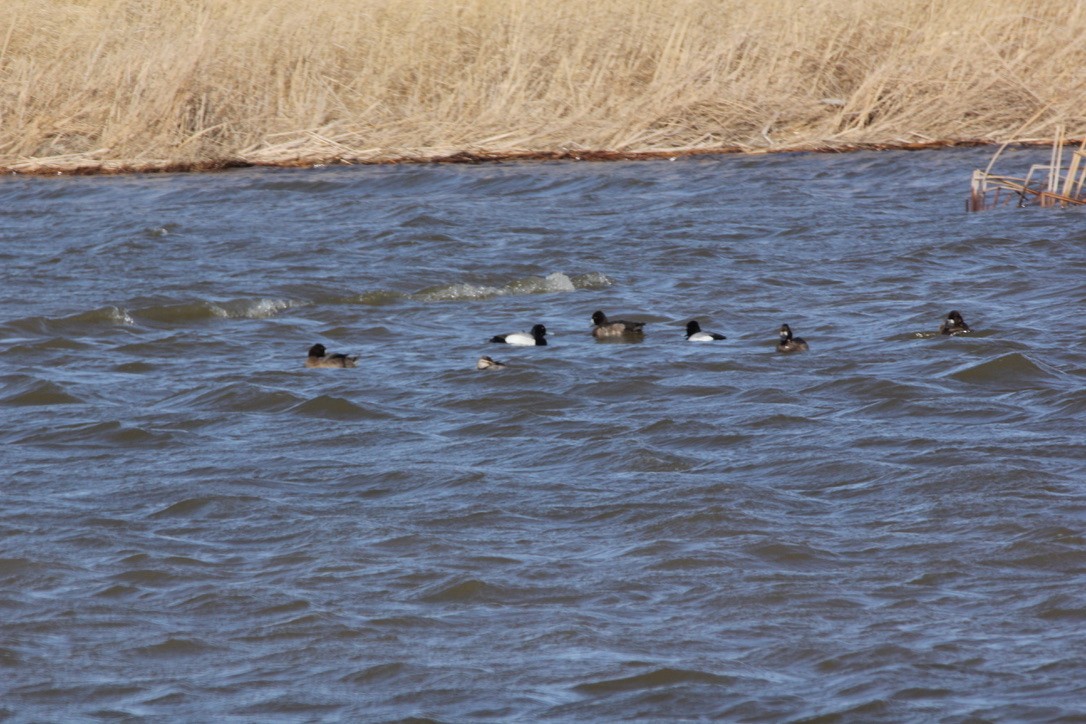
pixel 552 283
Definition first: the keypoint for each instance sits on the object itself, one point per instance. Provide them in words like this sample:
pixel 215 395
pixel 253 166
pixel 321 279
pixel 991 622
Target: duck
pixel 611 328
pixel 535 338
pixel 486 363
pixel 954 324
pixel 789 343
pixel 319 357
pixel 694 333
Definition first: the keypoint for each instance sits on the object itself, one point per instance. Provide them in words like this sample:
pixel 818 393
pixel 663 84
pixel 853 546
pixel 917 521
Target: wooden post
pixel 976 195
pixel 1072 170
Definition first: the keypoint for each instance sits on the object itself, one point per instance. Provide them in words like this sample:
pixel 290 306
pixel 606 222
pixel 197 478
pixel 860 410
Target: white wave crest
pixel 550 284
pixel 120 315
pixel 251 308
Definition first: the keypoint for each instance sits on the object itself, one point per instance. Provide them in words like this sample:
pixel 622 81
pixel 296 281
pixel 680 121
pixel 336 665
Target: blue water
pixel 888 527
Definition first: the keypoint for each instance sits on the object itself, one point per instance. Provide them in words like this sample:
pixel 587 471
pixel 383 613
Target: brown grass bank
pixel 130 84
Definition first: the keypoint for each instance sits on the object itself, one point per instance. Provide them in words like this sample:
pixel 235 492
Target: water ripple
pixel 885 528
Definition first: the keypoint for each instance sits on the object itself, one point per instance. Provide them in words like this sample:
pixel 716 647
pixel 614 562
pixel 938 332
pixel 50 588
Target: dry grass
pixel 280 81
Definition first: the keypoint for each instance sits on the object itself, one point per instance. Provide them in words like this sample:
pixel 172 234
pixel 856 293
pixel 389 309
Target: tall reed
pixel 199 81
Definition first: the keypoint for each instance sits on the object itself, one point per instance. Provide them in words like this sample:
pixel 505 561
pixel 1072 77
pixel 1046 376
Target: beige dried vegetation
pixel 131 83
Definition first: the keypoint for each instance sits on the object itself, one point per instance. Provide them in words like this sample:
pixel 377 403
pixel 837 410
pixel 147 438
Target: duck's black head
pixel 956 317
pixel 692 327
pixel 599 318
pixel 539 331
pixel 786 333
pixel 317 350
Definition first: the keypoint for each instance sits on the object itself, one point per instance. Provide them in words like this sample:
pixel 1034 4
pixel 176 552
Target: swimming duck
pixel 954 324
pixel 318 357
pixel 611 328
pixel 789 343
pixel 486 363
pixel 533 339
pixel 694 333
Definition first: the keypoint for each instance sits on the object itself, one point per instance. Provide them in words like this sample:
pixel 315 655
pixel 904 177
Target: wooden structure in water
pixel 1045 185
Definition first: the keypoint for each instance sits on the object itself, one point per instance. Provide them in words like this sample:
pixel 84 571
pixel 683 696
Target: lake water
pixel 889 527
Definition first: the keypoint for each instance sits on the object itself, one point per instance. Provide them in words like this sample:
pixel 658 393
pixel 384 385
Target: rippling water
pixel 888 527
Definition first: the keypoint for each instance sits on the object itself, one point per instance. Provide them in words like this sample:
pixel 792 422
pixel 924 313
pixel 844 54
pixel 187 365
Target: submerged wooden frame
pixel 1059 187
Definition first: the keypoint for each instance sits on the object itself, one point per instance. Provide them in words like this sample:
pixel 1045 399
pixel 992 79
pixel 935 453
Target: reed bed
pixel 131 84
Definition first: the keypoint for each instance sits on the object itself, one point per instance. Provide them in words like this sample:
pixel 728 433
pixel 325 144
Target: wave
pixel 659 678
pixel 194 507
pixel 260 308
pixel 457 291
pixel 171 647
pixel 263 307
pixel 1008 371
pixel 33 393
pixel 550 284
pixel 378 298
pixel 102 316
pixel 172 313
pixel 111 433
pixel 337 408
pixel 236 397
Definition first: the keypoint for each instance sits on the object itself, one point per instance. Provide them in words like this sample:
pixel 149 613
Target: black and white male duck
pixel 535 338
pixel 954 324
pixel 615 328
pixel 319 357
pixel 789 343
pixel 694 333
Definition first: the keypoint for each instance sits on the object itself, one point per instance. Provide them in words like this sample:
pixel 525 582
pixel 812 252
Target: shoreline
pixel 80 165
pixel 116 86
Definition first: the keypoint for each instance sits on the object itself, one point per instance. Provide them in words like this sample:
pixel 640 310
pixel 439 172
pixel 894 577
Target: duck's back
pixel 331 361
pixel 618 328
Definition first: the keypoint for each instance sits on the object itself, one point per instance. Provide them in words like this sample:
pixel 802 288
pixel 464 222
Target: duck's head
pixel 486 363
pixel 599 317
pixel 692 327
pixel 539 331
pixel 317 350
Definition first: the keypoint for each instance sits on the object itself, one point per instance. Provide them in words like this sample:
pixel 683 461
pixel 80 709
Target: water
pixel 889 527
